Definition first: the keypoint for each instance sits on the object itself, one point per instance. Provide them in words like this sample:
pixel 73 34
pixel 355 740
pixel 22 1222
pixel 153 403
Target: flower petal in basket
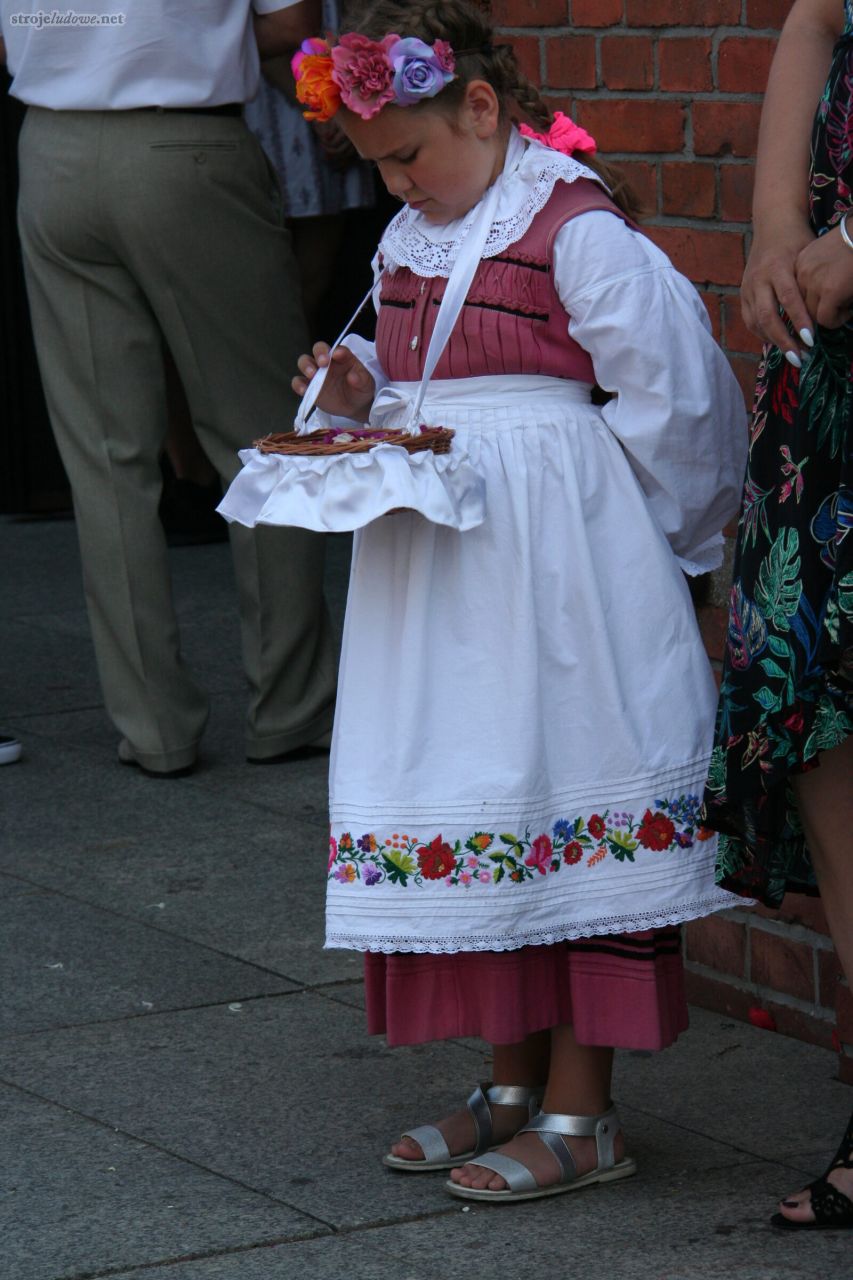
pixel 336 493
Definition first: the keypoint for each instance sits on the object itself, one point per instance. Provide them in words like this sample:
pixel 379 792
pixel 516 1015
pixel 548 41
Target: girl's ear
pixel 480 109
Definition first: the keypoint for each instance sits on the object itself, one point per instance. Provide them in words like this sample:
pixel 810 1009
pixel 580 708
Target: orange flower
pixel 315 87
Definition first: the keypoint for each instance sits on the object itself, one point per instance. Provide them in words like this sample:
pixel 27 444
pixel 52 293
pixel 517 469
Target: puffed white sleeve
pixel 677 409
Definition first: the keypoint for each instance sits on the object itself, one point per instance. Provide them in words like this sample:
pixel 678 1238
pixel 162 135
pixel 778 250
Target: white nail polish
pixel 794 359
pixel 807 337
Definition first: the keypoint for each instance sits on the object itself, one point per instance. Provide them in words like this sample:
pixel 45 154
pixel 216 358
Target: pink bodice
pixel 512 322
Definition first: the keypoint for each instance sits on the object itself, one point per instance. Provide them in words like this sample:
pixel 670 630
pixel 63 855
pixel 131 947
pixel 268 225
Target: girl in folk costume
pixel 526 710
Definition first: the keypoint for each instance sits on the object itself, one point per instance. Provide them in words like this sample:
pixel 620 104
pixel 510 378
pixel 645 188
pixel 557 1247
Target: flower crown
pixel 365 75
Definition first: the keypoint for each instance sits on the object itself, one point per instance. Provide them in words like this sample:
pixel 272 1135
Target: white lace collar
pixel 530 173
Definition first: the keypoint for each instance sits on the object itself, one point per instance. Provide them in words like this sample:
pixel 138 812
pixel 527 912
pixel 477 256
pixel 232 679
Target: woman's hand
pixel 824 271
pixel 349 388
pixel 770 282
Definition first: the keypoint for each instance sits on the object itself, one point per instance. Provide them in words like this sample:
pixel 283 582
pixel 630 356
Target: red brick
pixel 736 182
pixel 745 369
pixel 743 64
pixel 844 1012
pixel 801 1026
pixel 627 62
pixel 570 64
pixel 527 50
pixel 718 944
pixel 781 965
pixel 705 257
pixel 683 13
pixel 829 976
pixel 725 128
pixel 684 63
pixel 719 995
pixel 736 335
pixel 641 176
pixel 597 13
pixel 625 124
pixel 800 908
pixel 713 624
pixel 767 13
pixel 689 189
pixel 530 13
pixel 713 307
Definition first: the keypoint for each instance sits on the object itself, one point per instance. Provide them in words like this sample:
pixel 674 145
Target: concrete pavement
pixel 186 1087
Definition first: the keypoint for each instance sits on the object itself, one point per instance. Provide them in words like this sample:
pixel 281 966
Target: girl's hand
pixel 770 282
pixel 349 388
pixel 824 271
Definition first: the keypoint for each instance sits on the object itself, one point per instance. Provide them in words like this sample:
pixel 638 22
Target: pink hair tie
pixel 564 135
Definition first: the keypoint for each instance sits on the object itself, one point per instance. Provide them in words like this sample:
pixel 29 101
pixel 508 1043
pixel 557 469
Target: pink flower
pixel 564 135
pixel 472 862
pixel 364 73
pixel 465 878
pixel 485 877
pixel 445 56
pixel 541 852
pixel 333 851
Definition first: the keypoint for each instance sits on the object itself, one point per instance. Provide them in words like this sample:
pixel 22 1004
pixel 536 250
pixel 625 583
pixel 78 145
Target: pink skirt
pixel 625 991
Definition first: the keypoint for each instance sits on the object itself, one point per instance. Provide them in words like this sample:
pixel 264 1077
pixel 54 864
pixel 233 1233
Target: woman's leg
pixel 525 1063
pixel 578 1084
pixel 825 801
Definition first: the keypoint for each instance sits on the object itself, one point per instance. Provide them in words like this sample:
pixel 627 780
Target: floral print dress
pixel 787 688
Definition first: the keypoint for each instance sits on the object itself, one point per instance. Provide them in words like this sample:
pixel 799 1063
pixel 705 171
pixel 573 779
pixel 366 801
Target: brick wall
pixel 672 90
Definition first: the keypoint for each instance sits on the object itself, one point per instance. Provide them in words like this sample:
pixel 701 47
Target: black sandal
pixel 832 1209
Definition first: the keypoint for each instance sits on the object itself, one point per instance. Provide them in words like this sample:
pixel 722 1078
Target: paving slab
pixel 59 797
pixel 286 1095
pixel 66 963
pixel 758 1092
pixel 78 1198
pixel 250 885
pixel 358 1256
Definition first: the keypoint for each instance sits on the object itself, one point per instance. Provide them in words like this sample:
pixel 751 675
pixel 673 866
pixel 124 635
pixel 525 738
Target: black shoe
pixel 188 511
pixel 10 749
pixel 832 1209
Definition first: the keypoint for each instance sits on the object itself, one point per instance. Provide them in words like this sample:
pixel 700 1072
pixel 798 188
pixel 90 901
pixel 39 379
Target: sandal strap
pixel 603 1128
pixel 831 1207
pixel 501 1095
pixel 515 1095
pixel 515 1174
pixel 430 1141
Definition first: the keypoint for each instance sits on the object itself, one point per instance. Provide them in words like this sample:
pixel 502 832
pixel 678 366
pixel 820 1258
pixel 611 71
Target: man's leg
pixel 206 237
pixel 100 355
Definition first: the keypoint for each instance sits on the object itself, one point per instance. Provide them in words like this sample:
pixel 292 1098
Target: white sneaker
pixel 10 749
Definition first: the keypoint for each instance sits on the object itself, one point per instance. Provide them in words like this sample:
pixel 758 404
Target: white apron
pixel 526 709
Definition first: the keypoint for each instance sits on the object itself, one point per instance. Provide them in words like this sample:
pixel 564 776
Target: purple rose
pixel 371 873
pixel 418 72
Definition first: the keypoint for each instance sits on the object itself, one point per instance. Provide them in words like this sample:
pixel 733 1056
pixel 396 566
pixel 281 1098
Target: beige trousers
pixel 138 226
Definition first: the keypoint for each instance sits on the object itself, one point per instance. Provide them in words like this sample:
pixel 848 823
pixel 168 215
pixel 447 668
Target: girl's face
pixel 438 165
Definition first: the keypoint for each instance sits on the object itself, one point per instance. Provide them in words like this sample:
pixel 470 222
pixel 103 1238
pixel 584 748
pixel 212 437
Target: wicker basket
pixel 316 444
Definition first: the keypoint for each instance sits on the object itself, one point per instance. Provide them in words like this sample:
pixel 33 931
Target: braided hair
pixel 466 28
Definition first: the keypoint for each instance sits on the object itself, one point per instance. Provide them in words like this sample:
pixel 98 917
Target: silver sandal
pixel 436 1151
pixel 521 1184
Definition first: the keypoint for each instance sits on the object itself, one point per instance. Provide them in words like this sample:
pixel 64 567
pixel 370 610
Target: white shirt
pixel 114 55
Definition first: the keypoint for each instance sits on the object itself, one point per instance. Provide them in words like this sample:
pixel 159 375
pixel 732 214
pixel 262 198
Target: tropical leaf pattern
pixel 787 688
